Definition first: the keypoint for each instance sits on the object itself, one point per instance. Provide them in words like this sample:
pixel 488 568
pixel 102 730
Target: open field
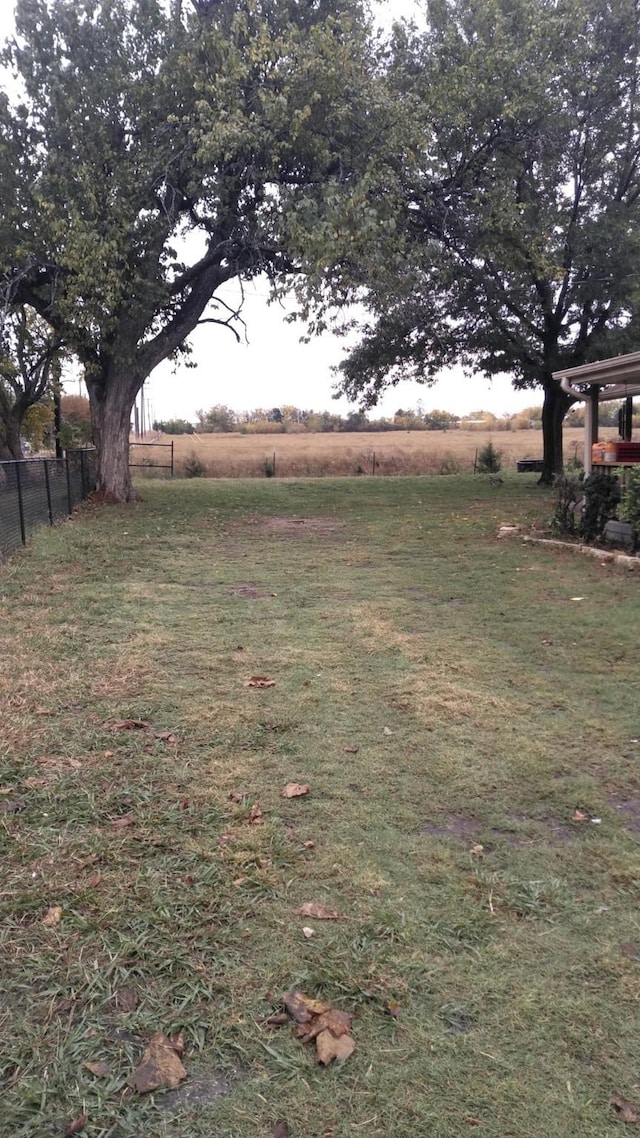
pixel 396 452
pixel 449 698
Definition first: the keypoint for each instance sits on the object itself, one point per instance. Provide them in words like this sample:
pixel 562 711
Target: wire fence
pixel 39 491
pixel 154 459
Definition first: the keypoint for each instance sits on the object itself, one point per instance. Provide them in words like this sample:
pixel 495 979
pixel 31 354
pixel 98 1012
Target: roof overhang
pixel 617 377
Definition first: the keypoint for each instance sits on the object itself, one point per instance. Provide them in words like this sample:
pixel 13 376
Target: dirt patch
pixel 629 808
pixel 299 527
pixel 456 826
pixel 201 1090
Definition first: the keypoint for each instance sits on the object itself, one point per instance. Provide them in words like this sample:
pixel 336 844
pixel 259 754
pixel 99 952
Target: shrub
pixel 601 498
pixel 565 518
pixel 630 505
pixel 489 459
pixel 269 467
pixel 193 468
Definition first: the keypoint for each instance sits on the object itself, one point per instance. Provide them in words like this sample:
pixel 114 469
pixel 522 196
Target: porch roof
pixel 618 377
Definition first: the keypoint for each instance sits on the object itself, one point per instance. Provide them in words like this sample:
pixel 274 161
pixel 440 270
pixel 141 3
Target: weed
pixel 192 467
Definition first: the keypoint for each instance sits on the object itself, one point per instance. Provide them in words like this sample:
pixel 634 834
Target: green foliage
pixel 269 467
pixel 568 495
pixel 601 498
pixel 37 425
pixel 175 427
pixel 193 467
pixel 489 459
pixel 629 510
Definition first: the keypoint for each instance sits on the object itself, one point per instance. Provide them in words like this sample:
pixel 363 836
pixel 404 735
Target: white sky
pixel 274 368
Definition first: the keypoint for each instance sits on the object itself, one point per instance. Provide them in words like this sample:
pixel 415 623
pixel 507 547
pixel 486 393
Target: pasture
pixel 464 711
pixel 343 454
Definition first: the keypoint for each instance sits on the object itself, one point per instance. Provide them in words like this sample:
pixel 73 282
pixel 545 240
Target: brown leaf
pixel 34 783
pixel 310 909
pixel 224 839
pixel 53 917
pixel 13 806
pixel 256 817
pixel 302 1007
pixel 100 1069
pixel 280 1130
pixel 123 821
pixel 77 1125
pixel 94 881
pixel 627 1111
pixel 108 754
pixel 260 682
pixel 160 1066
pixel 295 790
pixel 177 1042
pixel 277 1020
pixel 126 999
pixel 309 845
pixel 580 815
pixel 329 1048
pixel 351 750
pixel 338 1023
pixel 131 725
pixel 394 1009
pixel 166 737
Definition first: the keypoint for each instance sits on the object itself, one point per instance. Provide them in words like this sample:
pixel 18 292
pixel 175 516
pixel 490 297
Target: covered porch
pixel 600 382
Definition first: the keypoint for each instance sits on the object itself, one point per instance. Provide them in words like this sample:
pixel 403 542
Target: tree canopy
pixel 518 207
pixel 162 151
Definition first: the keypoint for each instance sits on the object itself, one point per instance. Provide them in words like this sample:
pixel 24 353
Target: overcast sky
pixel 274 368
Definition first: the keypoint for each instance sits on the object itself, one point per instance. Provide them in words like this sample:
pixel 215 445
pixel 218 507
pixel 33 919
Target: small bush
pixel 566 512
pixel 269 467
pixel 630 506
pixel 193 468
pixel 450 465
pixel 601 498
pixel 489 459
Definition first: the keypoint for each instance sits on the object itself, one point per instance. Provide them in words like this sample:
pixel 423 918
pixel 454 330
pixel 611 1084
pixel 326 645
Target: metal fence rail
pixel 38 491
pixel 151 463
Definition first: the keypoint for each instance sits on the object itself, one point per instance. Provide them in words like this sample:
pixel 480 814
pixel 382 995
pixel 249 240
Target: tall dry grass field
pixel 391 452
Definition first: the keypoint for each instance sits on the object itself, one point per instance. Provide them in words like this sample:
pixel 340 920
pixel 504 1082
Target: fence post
pixel 66 462
pixel 373 463
pixel 172 458
pixel 82 481
pixel 47 482
pixel 20 503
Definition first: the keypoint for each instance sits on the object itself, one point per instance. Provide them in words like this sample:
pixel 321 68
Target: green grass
pixel 515 970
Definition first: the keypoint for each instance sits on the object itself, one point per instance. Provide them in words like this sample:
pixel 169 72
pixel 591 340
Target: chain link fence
pixel 38 491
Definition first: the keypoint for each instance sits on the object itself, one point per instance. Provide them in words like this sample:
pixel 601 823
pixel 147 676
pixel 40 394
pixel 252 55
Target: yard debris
pixel 53 917
pixel 351 750
pixel 13 806
pixel 280 1019
pixel 317 912
pixel 160 1066
pixel 627 1111
pixel 166 737
pixel 387 731
pixel 256 817
pixel 280 1130
pixel 295 790
pixel 580 815
pixel 331 1029
pixel 308 932
pixel 123 821
pixel 477 850
pixel 126 999
pixel 130 725
pixel 100 1069
pixel 238 795
pixel 77 1125
pixel 308 845
pixel 260 682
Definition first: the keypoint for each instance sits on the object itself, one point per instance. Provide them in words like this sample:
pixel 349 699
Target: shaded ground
pixel 462 721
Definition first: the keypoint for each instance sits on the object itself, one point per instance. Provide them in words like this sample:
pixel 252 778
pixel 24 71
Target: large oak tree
pixel 519 203
pixel 164 145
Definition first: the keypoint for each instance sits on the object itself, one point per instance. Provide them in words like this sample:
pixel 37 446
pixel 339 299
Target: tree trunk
pixel 555 406
pixel 111 404
pixel 10 440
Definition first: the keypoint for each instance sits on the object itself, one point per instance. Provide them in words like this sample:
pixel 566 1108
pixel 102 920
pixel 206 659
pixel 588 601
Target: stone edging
pixel 603 555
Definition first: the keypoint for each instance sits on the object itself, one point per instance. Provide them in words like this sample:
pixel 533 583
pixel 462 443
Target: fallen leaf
pixel 166 737
pixel 477 850
pixel 394 1009
pixel 14 806
pixel 6 789
pixel 309 845
pixel 338 1023
pixel 94 882
pixel 256 817
pixel 627 1111
pixel 280 1130
pixel 302 1007
pixel 260 682
pixel 53 917
pixel 580 815
pixel 351 750
pixel 239 795
pixel 59 763
pixel 280 1019
pixel 177 1042
pixel 34 783
pixel 131 725
pixel 108 754
pixel 185 804
pixel 308 932
pixel 239 881
pixel 387 731
pixel 329 1048
pixel 126 999
pixel 77 1125
pixel 224 839
pixel 317 912
pixel 123 821
pixel 100 1069
pixel 295 790
pixel 160 1066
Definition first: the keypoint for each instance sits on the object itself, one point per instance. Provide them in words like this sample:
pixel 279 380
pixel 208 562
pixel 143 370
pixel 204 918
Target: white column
pixel 588 429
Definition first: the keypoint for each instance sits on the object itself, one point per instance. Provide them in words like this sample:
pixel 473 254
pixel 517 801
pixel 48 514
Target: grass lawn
pixel 450 699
